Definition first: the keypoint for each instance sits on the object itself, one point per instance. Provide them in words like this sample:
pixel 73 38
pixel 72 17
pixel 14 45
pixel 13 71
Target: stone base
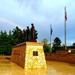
pixel 29 55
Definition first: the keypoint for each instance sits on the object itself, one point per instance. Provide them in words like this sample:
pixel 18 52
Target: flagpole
pixel 65 27
pixel 65 34
pixel 50 40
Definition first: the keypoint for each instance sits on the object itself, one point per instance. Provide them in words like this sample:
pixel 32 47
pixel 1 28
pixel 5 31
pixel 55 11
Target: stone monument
pixel 29 55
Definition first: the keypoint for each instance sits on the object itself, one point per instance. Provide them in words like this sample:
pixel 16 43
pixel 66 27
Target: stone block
pixel 29 55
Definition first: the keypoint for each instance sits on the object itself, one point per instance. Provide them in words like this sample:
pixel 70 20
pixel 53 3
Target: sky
pixel 42 13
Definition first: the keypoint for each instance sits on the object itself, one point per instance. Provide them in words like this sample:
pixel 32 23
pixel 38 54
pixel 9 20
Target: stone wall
pixel 61 56
pixel 18 54
pixel 29 55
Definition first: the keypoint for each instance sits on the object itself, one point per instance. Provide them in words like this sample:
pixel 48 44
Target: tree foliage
pixel 5 46
pixel 46 45
pixel 16 33
pixel 15 36
pixel 56 44
pixel 45 41
pixel 73 44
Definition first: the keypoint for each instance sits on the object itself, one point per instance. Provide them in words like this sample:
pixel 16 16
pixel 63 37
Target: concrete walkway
pixel 53 68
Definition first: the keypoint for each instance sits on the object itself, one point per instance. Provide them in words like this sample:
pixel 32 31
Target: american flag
pixel 51 30
pixel 65 14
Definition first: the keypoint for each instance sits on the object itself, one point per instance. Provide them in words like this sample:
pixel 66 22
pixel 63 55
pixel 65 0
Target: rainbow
pixel 16 24
pixel 11 22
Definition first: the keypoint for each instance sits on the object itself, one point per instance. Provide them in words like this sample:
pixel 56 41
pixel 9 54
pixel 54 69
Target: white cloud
pixel 42 13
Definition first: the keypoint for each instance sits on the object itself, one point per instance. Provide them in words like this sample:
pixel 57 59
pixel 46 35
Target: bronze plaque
pixel 35 53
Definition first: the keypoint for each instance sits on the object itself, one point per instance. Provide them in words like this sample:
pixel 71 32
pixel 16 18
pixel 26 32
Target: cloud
pixel 42 14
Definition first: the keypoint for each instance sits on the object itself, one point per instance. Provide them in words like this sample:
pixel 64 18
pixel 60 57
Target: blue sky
pixel 42 13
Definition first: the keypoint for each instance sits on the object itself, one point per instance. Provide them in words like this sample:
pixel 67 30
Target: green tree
pixel 35 34
pixel 4 43
pixel 46 45
pixel 7 41
pixel 11 39
pixel 73 44
pixel 56 44
pixel 16 32
pixel 45 41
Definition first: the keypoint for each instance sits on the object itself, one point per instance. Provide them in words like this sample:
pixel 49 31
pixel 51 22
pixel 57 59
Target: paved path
pixel 60 68
pixel 53 68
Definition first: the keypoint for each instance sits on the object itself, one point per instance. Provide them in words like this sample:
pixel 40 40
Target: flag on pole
pixel 51 30
pixel 65 14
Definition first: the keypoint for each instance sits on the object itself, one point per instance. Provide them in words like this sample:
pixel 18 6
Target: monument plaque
pixel 35 53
